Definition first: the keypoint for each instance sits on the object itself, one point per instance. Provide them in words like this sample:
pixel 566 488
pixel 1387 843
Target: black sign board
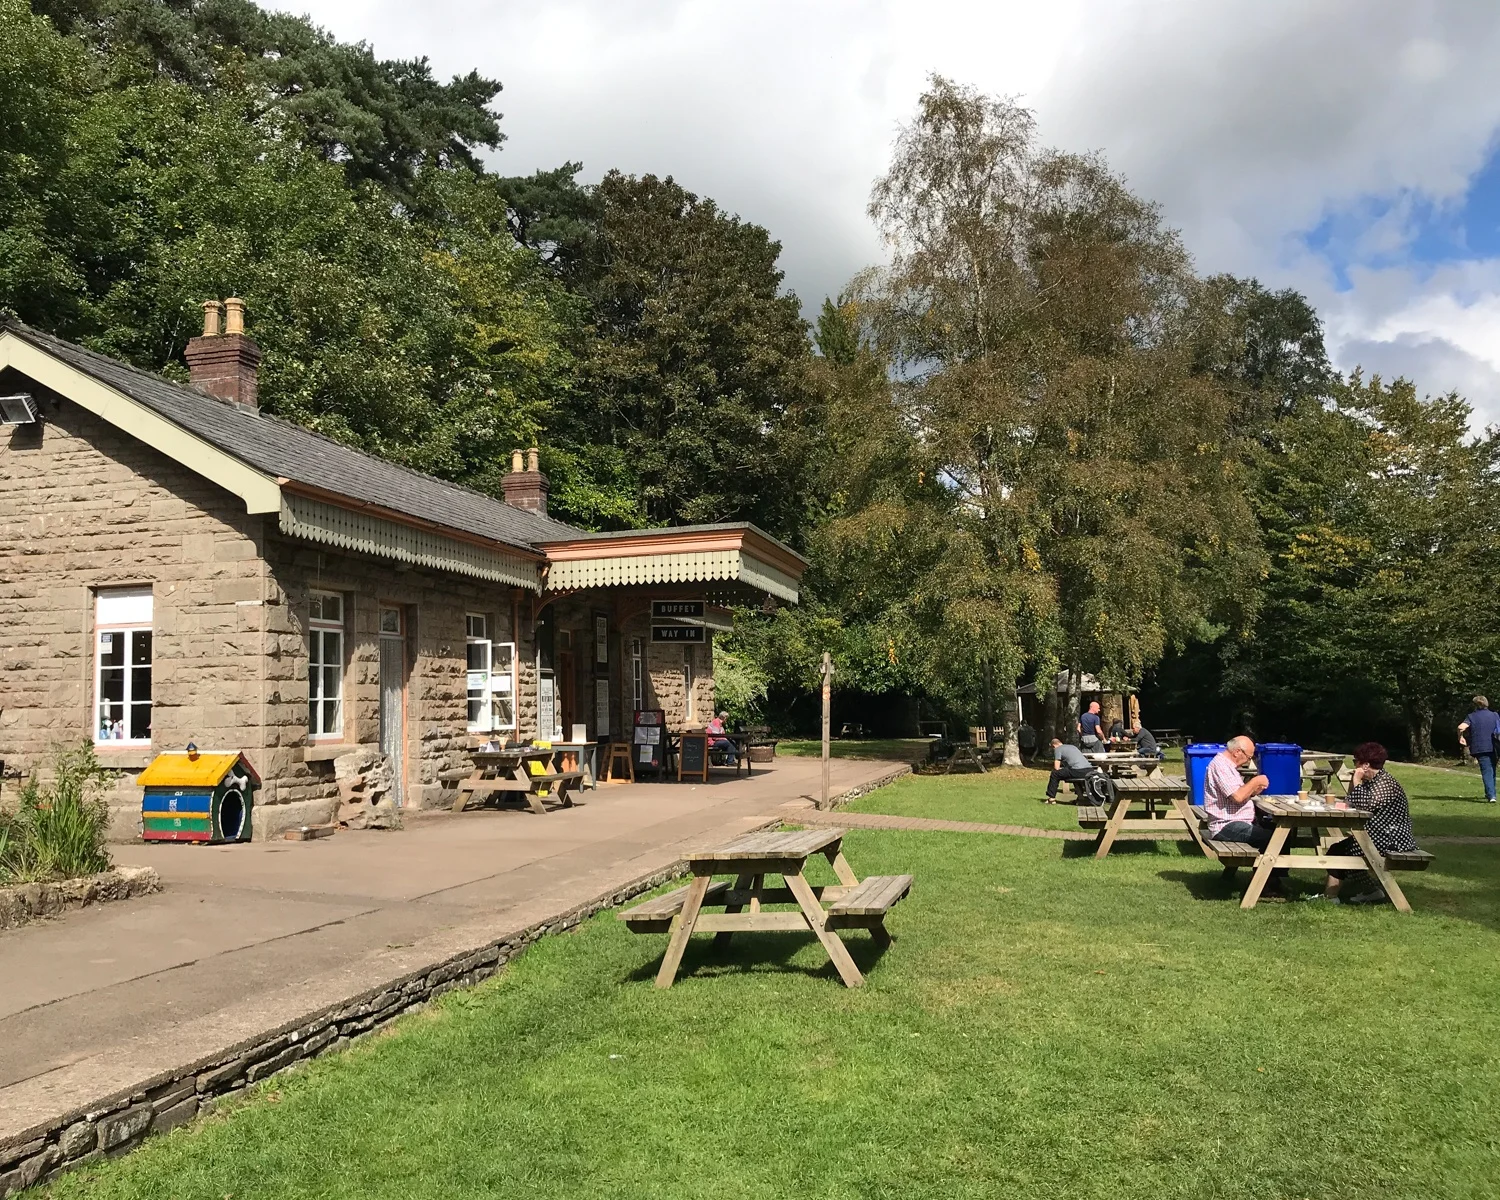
pixel 676 608
pixel 692 756
pixel 649 739
pixel 677 633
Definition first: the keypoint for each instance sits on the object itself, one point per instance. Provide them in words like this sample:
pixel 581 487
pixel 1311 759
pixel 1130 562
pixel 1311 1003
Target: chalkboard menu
pixel 692 757
pixel 649 739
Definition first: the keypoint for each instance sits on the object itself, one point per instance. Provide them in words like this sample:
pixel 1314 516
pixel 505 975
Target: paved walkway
pixel 92 996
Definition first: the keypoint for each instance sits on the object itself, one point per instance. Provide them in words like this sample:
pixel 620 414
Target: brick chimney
pixel 525 486
pixel 224 364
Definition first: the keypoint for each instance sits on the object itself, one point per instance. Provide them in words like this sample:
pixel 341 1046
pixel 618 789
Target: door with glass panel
pixel 393 698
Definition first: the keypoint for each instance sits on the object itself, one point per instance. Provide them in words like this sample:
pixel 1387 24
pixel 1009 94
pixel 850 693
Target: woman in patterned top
pixel 1376 791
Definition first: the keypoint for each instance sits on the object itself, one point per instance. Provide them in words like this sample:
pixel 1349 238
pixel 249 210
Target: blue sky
pixel 1347 148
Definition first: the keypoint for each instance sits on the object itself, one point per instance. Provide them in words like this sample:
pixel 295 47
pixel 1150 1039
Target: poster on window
pixel 601 640
pixel 546 706
pixel 601 708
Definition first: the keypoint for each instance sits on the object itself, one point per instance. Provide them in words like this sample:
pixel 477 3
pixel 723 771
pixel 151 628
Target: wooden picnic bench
pixel 1326 820
pixel 851 903
pixel 1119 765
pixel 1160 797
pixel 508 773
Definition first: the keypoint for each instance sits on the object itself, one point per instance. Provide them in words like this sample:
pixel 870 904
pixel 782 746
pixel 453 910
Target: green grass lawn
pixel 1442 802
pixel 897 749
pixel 1046 1025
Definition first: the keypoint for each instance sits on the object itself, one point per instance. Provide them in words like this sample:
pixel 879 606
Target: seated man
pixel 1145 740
pixel 717 741
pixel 1068 763
pixel 1116 729
pixel 1230 801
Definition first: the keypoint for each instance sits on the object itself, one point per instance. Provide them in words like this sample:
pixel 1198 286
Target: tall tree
pixel 1040 321
pixel 698 353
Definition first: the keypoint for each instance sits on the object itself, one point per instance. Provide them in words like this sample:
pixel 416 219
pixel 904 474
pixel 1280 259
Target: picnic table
pixel 1160 802
pixel 1119 766
pixel 508 772
pixel 578 756
pixel 851 903
pixel 1326 821
pixel 1323 771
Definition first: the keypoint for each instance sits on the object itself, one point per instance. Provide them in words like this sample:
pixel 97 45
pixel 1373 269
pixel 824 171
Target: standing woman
pixel 1377 792
pixel 1478 733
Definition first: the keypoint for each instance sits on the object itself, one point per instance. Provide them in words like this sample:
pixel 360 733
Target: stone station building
pixel 176 566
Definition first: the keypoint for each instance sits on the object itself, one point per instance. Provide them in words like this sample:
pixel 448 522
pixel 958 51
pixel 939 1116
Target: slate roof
pixel 286 451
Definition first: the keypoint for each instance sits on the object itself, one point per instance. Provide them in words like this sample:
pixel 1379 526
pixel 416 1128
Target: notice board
pixel 649 738
pixel 692 757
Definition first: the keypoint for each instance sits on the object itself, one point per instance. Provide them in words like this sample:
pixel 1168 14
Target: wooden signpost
pixel 827 672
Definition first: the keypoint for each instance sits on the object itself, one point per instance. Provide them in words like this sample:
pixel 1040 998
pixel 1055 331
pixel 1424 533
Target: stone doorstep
pixel 22 903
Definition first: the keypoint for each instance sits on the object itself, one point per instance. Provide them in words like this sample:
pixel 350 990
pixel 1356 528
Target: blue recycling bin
pixel 1281 763
pixel 1197 757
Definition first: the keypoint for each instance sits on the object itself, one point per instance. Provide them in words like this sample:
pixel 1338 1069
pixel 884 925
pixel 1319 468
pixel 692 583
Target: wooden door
pixel 567 693
pixel 393 698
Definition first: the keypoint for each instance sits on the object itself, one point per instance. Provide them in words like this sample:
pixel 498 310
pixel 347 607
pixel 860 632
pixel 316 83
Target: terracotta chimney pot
pixel 516 464
pixel 531 459
pixel 234 315
pixel 212 311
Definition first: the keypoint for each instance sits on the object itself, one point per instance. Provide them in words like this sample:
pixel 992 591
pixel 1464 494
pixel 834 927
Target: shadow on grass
pixel 748 952
pixel 1138 846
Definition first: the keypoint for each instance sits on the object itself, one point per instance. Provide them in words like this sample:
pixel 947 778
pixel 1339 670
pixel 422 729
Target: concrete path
pixel 235 925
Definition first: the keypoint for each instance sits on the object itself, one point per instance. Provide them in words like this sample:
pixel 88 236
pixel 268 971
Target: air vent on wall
pixel 19 409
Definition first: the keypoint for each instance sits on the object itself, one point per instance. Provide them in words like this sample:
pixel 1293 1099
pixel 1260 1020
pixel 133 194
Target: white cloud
pixel 1250 121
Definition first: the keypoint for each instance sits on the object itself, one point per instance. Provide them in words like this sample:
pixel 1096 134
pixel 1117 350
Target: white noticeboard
pixel 546 706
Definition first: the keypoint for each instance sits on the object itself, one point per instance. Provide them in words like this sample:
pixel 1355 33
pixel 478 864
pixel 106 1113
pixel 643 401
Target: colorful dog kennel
pixel 198 797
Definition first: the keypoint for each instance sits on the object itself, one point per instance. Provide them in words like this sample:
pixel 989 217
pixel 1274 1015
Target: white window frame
pixel 318 699
pixel 637 674
pixel 497 687
pixel 479 680
pixel 687 686
pixel 503 684
pixel 126 612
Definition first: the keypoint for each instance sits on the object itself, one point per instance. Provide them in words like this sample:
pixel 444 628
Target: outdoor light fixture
pixel 19 409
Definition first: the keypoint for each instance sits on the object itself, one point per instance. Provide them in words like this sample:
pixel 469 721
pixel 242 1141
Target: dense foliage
pixel 1034 441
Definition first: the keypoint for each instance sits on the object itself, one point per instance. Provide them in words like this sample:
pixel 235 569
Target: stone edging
pixel 873 785
pixel 23 902
pixel 116 1123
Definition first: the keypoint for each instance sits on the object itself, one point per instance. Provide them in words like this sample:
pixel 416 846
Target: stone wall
pixel 434 606
pixel 83 506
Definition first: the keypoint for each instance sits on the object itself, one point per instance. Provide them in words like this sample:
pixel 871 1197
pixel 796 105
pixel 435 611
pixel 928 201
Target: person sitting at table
pixel 1376 791
pixel 1117 729
pixel 1229 801
pixel 1068 764
pixel 1091 728
pixel 1145 740
pixel 716 731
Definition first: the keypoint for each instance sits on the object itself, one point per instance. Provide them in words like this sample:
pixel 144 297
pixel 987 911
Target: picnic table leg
pixel 742 883
pixel 465 790
pixel 1111 828
pixel 838 953
pixel 682 929
pixel 1264 865
pixel 1375 862
pixel 1191 822
pixel 842 869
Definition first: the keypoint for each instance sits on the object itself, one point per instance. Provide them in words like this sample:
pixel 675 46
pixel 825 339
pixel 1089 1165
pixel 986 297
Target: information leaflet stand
pixel 649 740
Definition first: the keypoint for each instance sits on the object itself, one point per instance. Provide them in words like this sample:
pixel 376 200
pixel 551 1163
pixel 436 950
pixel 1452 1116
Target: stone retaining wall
pixel 118 1123
pixel 874 785
pixel 23 902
